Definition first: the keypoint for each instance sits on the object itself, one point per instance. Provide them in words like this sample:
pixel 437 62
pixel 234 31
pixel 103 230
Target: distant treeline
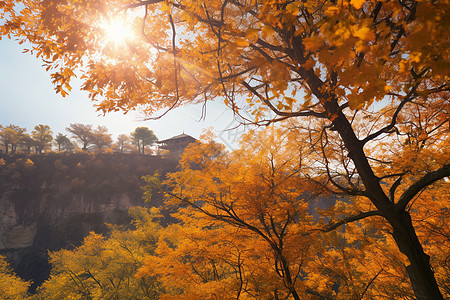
pixel 14 139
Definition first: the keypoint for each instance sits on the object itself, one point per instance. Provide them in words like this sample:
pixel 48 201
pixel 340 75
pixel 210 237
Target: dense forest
pixel 350 100
pixel 240 227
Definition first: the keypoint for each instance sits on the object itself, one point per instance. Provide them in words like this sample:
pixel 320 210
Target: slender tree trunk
pixel 287 274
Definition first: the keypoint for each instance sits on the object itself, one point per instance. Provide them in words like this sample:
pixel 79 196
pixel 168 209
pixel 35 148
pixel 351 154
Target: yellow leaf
pixel 331 11
pixel 252 34
pixel 309 64
pixel 165 7
pixel 362 48
pixel 292 9
pixel 312 43
pixel 267 31
pixel 357 3
pixel 365 34
pixel 242 42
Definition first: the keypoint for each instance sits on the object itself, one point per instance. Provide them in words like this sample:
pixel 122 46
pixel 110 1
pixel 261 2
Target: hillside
pixel 51 201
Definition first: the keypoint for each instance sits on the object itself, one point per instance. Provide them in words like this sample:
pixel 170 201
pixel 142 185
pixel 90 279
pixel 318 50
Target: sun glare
pixel 116 31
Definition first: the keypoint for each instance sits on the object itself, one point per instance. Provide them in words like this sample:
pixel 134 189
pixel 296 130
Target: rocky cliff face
pixel 52 201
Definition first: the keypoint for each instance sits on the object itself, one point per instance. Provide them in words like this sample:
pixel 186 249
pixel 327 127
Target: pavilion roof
pixel 177 137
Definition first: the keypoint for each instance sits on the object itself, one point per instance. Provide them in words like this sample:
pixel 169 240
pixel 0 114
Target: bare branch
pixel 423 182
pixel 348 191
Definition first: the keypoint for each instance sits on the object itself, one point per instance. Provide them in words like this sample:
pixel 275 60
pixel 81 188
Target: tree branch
pixel 142 3
pixel 394 187
pixel 387 128
pixel 369 284
pixel 283 113
pixel 334 225
pixel 174 56
pixel 423 182
pixel 408 98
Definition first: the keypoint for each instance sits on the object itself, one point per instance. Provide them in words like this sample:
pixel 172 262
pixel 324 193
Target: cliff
pixel 51 201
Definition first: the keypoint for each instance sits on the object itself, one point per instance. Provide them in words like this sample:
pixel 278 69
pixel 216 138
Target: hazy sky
pixel 27 99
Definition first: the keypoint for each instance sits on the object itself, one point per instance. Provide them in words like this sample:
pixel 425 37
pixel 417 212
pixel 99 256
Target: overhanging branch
pixel 283 113
pixel 423 182
pixel 334 225
pixel 408 98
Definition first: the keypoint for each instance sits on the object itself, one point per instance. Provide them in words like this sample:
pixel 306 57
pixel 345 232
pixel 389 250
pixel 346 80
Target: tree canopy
pixel 63 142
pixel 100 137
pixel 257 222
pixel 104 268
pixel 82 132
pixel 15 139
pixel 367 81
pixel 142 136
pixel 43 137
pixel 11 286
pixel 251 224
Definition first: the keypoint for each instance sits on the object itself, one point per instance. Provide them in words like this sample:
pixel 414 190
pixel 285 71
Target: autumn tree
pixel 122 142
pixel 247 207
pixel 27 143
pixel 323 63
pixel 63 142
pixel 226 202
pixel 141 137
pixel 363 259
pixel 11 137
pixel 100 137
pixel 42 136
pixel 11 286
pixel 104 267
pixel 82 132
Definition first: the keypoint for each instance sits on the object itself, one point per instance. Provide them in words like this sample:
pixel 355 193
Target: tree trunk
pixel 419 271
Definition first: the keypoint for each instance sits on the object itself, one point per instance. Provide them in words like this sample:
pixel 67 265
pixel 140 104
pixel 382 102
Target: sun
pixel 116 31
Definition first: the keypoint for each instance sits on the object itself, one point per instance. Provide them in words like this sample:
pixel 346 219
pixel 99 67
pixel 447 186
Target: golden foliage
pixel 12 287
pixel 371 78
pixel 104 268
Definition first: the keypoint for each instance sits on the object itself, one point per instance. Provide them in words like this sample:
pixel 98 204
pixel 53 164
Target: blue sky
pixel 27 99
